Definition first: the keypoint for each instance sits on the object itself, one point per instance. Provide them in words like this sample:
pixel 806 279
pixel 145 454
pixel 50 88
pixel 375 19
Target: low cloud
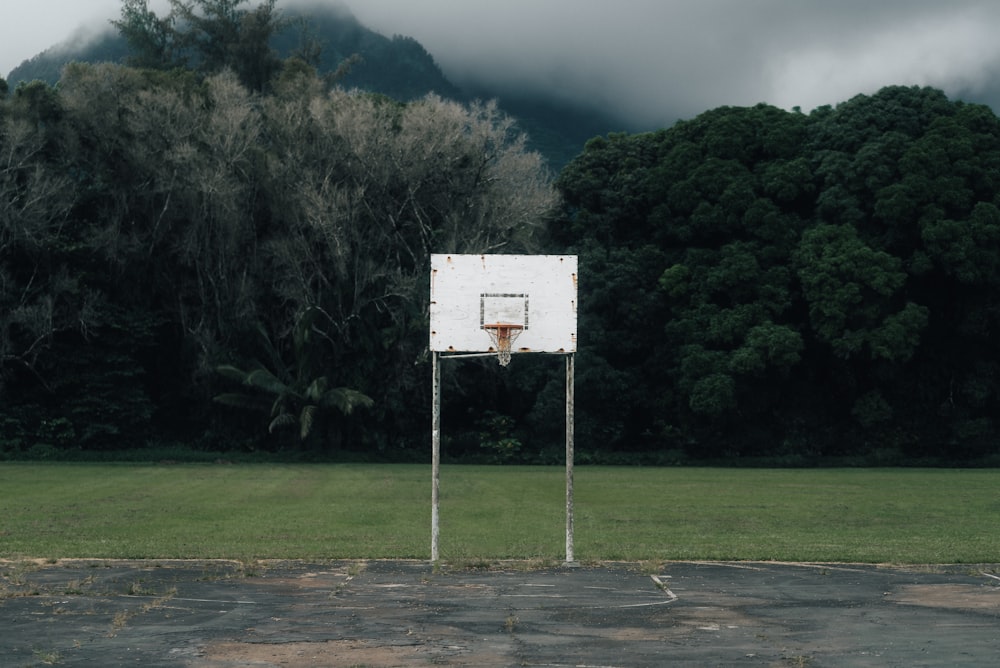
pixel 957 53
pixel 654 61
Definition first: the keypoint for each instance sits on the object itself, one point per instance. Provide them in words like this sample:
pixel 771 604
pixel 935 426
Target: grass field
pixel 383 511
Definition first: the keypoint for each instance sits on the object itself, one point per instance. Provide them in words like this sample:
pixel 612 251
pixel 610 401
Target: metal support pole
pixel 569 456
pixel 435 455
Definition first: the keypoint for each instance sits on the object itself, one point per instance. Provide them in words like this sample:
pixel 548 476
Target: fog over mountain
pixel 651 62
pixel 658 60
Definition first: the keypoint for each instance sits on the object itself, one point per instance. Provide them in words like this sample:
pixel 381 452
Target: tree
pixel 686 235
pixel 68 377
pixel 38 295
pixel 825 282
pixel 154 41
pixel 850 290
pixel 212 35
pixel 367 189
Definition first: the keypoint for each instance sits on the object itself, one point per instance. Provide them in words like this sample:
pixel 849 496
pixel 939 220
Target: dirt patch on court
pixel 334 653
pixel 955 596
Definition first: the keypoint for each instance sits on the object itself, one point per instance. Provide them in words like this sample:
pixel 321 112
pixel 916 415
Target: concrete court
pixel 405 613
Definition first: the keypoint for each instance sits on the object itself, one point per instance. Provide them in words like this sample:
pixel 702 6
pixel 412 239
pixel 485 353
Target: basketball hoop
pixel 504 295
pixel 503 335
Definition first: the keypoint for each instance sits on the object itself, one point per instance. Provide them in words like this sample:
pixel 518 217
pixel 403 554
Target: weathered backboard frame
pixel 471 292
pixel 532 295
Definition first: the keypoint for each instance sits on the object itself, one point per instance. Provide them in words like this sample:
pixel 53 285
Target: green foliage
pixel 301 396
pixel 83 396
pixel 828 274
pixel 496 438
pixel 850 289
pixel 153 40
pixel 211 35
pixel 768 345
pixel 713 394
pixel 37 102
pixel 293 405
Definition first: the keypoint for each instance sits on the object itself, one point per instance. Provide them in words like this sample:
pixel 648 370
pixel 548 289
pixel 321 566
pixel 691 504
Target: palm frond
pixel 282 421
pixel 346 400
pixel 317 389
pixel 263 379
pixel 306 419
pixel 231 372
pixel 272 352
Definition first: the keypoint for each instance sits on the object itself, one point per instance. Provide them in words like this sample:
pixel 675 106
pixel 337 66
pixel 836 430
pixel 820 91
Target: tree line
pixel 238 260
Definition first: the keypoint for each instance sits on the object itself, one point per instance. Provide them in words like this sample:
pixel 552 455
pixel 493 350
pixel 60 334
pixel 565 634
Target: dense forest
pixel 206 258
pixel 775 283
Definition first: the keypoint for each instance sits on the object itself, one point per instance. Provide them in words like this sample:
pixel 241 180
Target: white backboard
pixel 534 292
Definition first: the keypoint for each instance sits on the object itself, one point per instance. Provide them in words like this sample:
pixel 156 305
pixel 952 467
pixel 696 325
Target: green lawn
pixel 383 511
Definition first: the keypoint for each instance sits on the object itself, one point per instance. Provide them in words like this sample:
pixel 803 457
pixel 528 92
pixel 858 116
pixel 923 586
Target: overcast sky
pixel 652 61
